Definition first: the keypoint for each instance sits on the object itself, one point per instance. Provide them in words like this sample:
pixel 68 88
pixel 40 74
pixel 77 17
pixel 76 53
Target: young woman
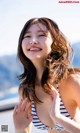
pixel 49 89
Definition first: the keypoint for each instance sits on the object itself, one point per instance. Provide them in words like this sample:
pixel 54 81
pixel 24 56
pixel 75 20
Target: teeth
pixel 35 49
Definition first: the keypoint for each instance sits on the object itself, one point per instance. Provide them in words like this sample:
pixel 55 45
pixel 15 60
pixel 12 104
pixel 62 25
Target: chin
pixel 37 59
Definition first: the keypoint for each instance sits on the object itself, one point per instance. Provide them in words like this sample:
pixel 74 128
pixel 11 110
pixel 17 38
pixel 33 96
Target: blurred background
pixel 13 15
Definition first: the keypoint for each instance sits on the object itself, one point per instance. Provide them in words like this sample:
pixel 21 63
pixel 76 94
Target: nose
pixel 33 40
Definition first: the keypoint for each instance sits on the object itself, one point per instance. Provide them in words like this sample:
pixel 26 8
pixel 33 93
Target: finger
pixel 28 107
pixel 54 92
pixel 52 87
pixel 28 111
pixel 29 116
pixel 15 110
pixel 19 105
pixel 24 104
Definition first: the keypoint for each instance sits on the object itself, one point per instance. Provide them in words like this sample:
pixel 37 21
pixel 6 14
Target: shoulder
pixel 71 86
pixel 73 81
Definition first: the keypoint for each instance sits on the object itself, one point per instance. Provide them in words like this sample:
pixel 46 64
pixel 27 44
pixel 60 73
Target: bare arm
pixel 22 116
pixel 27 130
pixel 68 124
pixel 75 91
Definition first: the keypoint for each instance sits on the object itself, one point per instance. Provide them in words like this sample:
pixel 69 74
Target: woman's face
pixel 37 42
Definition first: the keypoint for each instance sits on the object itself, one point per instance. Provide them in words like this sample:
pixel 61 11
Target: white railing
pixel 8 104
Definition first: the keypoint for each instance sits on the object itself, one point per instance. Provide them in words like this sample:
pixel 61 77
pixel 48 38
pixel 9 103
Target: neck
pixel 40 68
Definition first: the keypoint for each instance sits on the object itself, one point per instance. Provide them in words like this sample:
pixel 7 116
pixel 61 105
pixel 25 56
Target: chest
pixel 42 113
pixel 43 110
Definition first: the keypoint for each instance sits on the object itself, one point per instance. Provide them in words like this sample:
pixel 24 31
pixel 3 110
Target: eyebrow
pixel 37 31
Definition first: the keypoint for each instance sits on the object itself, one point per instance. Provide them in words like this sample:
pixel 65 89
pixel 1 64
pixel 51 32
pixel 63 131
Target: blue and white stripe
pixel 41 126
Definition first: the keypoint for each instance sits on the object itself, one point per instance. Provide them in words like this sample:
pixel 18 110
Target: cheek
pixel 23 47
pixel 24 44
pixel 48 46
pixel 48 49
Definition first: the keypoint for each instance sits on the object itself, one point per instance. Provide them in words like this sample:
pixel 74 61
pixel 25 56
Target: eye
pixel 41 35
pixel 27 36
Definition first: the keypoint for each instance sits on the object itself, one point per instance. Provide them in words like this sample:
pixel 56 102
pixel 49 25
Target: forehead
pixel 37 27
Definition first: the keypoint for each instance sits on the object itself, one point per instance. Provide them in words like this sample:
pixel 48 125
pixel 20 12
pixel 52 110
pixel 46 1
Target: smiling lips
pixel 34 49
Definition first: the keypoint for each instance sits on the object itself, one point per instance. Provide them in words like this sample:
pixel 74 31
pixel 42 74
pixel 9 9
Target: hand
pixel 54 111
pixel 22 116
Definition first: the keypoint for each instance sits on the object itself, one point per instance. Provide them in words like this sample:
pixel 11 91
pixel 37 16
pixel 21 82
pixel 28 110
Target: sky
pixel 15 13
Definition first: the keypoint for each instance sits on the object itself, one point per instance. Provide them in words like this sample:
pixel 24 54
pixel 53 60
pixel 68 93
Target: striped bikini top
pixel 37 123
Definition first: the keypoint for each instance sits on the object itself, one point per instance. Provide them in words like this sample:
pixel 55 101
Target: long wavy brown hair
pixel 58 62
